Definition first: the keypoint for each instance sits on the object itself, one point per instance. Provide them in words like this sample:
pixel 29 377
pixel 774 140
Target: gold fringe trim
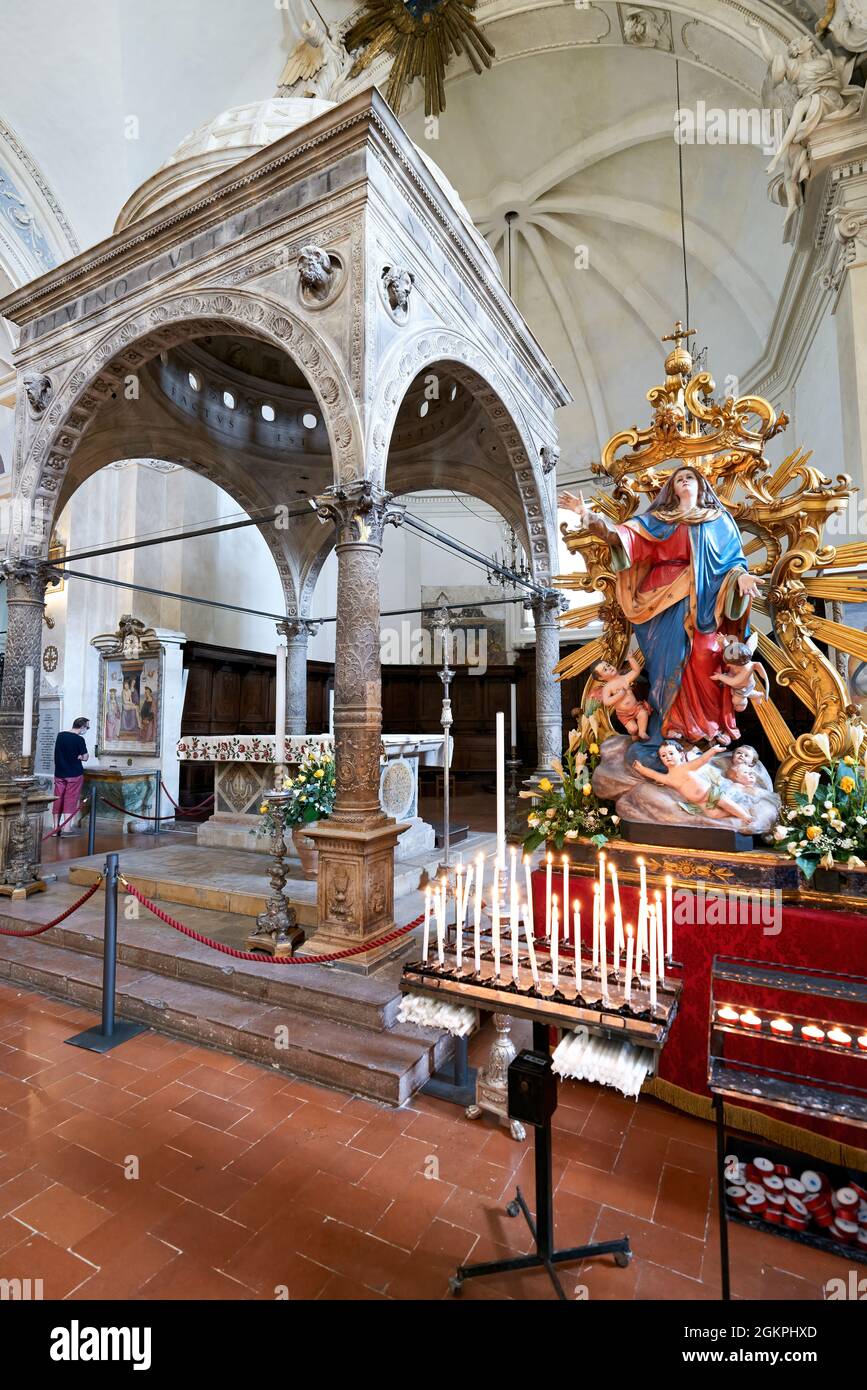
pixel 763 1126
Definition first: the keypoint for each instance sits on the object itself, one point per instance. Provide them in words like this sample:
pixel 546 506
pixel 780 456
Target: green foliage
pixel 571 811
pixel 828 823
pixel 312 791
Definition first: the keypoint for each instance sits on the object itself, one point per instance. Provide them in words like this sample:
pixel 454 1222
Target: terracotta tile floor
pixel 166 1171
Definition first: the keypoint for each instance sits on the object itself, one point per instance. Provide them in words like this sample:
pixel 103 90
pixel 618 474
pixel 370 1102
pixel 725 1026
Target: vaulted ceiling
pixel 572 130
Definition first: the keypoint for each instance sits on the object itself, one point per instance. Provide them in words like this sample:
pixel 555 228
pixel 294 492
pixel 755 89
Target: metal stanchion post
pixel 111 1031
pixel 91 823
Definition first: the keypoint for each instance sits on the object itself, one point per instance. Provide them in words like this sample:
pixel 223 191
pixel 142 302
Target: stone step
pixel 147 944
pixel 384 1064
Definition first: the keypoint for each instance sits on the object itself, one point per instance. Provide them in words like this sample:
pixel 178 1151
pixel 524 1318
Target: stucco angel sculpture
pixel 812 87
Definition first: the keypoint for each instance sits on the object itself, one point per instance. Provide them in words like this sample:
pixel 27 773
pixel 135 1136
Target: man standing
pixel 70 751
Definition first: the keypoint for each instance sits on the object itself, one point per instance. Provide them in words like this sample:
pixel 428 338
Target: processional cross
pixel 679 333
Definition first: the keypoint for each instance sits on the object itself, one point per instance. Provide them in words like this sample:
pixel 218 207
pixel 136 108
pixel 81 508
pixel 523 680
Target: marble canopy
pixel 214 277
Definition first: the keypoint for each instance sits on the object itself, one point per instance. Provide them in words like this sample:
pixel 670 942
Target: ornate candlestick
pixel 443 623
pixel 516 823
pixel 21 875
pixel 277 931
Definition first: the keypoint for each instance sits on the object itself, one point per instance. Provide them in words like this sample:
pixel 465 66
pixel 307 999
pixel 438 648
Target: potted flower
pixel 826 829
pixel 311 799
pixel 570 810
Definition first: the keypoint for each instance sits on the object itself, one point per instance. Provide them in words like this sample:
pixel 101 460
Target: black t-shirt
pixel 67 749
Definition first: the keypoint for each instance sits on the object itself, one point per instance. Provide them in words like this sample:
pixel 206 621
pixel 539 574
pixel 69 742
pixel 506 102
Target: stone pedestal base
pixel 355 901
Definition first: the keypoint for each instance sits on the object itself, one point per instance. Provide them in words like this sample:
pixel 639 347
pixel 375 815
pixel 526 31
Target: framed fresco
pixel 130 703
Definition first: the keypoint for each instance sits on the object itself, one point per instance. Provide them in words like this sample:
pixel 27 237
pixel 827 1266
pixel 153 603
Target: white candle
pixel 555 942
pixel 602 887
pixel 549 861
pixel 640 934
pixel 651 935
pixel 427 922
pixel 513 700
pixel 669 917
pixel 618 912
pixel 531 950
pixel 595 960
pixel 565 897
pixel 280 720
pixel 660 947
pixel 459 915
pixel 513 912
pixel 529 882
pixel 495 918
pixel 642 878
pixel 477 926
pixel 603 950
pixel 331 710
pixel 441 921
pixel 577 936
pixel 629 948
pixel 27 728
pixel 501 789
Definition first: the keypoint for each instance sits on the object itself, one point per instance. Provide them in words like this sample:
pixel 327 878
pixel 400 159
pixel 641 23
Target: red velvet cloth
pixel 807 937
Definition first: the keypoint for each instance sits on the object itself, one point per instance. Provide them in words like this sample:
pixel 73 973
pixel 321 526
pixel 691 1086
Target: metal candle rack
pixel 560 1007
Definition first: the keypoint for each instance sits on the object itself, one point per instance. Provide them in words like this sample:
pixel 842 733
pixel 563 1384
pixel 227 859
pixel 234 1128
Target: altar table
pixel 244 771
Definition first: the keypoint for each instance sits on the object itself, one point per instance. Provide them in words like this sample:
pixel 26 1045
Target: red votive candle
pixel 782 1026
pixel 751 1019
pixel 839 1038
pixel 726 1014
pixel 812 1033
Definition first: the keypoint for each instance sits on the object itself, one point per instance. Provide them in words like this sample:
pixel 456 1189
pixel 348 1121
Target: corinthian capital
pixel 360 511
pixel 27 579
pixel 546 607
pixel 297 629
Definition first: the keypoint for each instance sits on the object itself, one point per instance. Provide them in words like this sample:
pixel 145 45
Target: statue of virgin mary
pixel 682 579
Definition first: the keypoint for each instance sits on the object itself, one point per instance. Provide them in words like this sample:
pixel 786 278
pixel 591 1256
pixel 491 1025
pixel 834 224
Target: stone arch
pixel 125 447
pixel 125 348
pixel 480 376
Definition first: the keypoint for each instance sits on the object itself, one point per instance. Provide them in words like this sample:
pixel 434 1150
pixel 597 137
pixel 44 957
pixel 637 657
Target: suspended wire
pixel 679 144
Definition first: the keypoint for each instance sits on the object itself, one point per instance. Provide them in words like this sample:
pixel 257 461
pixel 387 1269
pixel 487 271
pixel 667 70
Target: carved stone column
pixel 356 846
pixel 297 632
pixel 549 717
pixel 26 582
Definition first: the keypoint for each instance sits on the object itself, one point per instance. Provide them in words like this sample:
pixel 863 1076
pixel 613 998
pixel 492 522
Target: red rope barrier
pixel 258 955
pixel 37 931
pixel 186 810
pixel 135 815
pixel 70 817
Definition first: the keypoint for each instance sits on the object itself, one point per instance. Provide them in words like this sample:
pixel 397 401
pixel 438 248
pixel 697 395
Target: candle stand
pixel 277 932
pixel 22 813
pixel 492 1084
pixel 542 1228
pixel 599 1009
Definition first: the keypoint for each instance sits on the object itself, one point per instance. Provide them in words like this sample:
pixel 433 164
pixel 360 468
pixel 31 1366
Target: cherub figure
pixel 701 795
pixel 742 767
pixel 613 690
pixel 741 671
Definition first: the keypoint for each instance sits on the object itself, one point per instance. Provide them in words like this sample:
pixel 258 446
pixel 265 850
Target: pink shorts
pixel 67 793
